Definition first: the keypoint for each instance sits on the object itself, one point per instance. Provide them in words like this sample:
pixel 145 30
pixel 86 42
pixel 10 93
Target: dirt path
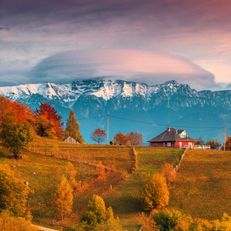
pixel 41 228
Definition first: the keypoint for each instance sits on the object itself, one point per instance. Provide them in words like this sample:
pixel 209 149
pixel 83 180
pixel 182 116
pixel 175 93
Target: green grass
pixel 126 200
pixel 203 187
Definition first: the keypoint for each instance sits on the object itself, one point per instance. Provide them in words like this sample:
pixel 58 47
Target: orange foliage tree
pixel 19 112
pixel 121 139
pixel 48 122
pixel 133 138
pixel 228 143
pixel 16 122
pixel 98 135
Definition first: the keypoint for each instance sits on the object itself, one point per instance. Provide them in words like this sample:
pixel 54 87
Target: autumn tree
pixel 169 173
pixel 135 138
pixel 72 128
pixel 111 223
pixel 95 214
pixel 98 135
pixel 214 144
pixel 199 141
pixel 156 194
pixel 19 112
pixel 15 136
pixel 172 219
pixel 12 223
pixel 228 143
pixel 14 193
pixel 63 199
pixel 121 139
pixel 48 122
pixel 71 175
pixel 97 217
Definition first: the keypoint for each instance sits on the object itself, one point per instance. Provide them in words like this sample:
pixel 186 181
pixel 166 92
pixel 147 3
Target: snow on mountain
pixel 171 103
pixel 68 93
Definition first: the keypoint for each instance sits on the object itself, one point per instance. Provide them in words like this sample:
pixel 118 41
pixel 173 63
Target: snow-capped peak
pixel 105 89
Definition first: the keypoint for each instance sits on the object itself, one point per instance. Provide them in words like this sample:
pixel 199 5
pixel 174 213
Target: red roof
pixel 170 135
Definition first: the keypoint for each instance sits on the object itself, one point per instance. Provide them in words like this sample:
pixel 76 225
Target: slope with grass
pixel 202 187
pixel 115 157
pixel 44 163
pixel 126 199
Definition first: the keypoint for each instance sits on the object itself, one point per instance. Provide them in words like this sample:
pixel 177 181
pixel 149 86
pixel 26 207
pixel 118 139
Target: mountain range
pixel 132 106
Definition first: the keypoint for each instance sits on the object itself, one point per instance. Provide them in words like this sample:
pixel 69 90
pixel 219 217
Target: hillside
pixel 202 187
pixel 154 106
pixel 119 186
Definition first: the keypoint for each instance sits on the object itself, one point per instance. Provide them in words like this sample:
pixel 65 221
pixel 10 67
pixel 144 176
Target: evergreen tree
pixel 63 199
pixel 72 128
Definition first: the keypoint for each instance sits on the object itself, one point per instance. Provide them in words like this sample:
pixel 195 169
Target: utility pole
pixel 107 127
pixel 225 137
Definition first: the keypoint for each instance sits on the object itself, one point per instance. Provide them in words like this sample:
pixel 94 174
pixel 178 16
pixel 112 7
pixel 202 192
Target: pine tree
pixel 72 128
pixel 63 199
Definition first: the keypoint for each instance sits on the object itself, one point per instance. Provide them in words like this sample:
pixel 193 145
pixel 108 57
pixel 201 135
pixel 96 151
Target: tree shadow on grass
pixel 4 154
pixel 127 204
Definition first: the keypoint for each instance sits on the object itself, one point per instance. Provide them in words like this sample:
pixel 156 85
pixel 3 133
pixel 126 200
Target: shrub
pixel 10 223
pixel 171 219
pixel 98 218
pixel 147 222
pixel 14 193
pixel 156 194
pixel 169 173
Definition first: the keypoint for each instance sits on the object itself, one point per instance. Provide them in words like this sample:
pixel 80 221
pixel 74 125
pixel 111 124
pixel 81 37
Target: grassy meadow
pixel 202 187
pixel 44 163
pixel 126 199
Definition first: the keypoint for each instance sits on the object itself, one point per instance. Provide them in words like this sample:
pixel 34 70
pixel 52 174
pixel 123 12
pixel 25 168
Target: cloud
pixel 195 29
pixel 125 64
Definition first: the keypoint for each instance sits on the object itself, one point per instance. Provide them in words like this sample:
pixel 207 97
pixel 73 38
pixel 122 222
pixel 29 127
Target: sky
pixel 149 41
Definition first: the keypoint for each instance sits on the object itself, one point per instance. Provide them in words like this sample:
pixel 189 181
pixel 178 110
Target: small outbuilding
pixel 172 137
pixel 71 140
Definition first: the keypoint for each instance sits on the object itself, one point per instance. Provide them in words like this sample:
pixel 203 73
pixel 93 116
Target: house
pixel 172 138
pixel 71 140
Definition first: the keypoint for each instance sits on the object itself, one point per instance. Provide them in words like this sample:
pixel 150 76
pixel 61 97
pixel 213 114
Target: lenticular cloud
pixel 131 65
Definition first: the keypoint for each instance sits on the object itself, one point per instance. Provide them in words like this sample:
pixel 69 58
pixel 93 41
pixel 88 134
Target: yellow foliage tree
pixel 63 200
pixel 71 175
pixel 12 223
pixel 169 173
pixel 156 194
pixel 14 193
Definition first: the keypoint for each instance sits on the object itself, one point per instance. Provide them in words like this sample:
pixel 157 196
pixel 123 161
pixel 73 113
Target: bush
pixel 9 223
pixel 156 194
pixel 169 173
pixel 14 193
pixel 98 218
pixel 171 219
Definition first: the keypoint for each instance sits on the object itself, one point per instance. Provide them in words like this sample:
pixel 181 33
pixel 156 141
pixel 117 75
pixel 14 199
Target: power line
pixel 166 125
